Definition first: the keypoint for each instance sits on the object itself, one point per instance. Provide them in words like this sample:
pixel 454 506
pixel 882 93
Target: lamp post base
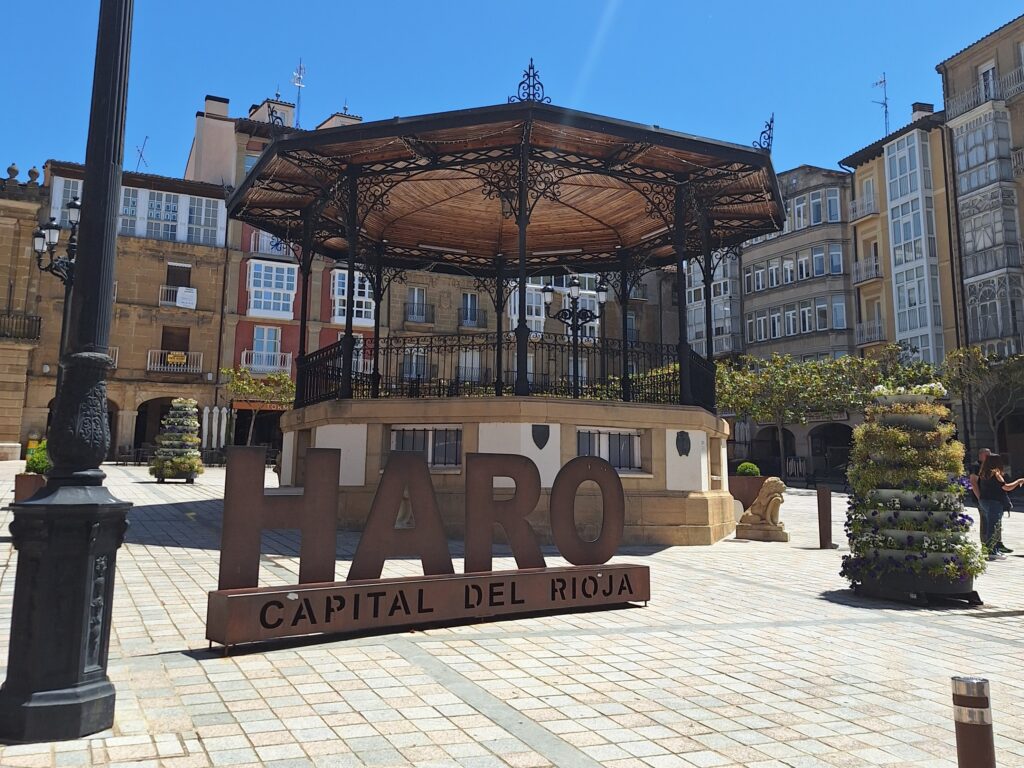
pixel 67 537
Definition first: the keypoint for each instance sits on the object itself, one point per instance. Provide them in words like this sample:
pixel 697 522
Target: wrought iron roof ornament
pixel 530 87
pixel 764 141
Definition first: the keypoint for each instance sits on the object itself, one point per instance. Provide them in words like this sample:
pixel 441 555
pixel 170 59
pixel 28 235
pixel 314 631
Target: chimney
pixel 920 109
pixel 216 105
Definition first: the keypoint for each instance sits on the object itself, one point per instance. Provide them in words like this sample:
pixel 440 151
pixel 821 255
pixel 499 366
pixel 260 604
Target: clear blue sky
pixel 712 68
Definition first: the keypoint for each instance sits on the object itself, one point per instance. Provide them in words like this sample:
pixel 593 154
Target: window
pixel 790 314
pixel 774 268
pixel 250 163
pixel 162 216
pixel 632 332
pixel 835 258
pixel 800 213
pixel 761 319
pixel 469 316
pixel 816 208
pixel 414 363
pixel 271 289
pixel 788 270
pixel 901 166
pixel 72 189
pixel 838 312
pixel 202 221
pixel 775 323
pixel 534 310
pixel 362 298
pixel 129 210
pixel 832 203
pixel 806 317
pixel 360 362
pixel 266 347
pixel 751 333
pixel 982 149
pixel 442 445
pixel 803 266
pixel 620 449
pixel 911 287
pixel 818 260
pixel 821 313
pixel 592 329
pixel 416 305
pixel 469 365
pixel 906 237
pixel 759 272
pixel 868 190
pixel 987 80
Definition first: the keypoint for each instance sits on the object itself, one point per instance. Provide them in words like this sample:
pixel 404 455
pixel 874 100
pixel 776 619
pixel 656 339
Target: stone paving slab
pixel 749 654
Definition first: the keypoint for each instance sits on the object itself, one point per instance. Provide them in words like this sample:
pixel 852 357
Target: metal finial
pixel 530 87
pixel 764 141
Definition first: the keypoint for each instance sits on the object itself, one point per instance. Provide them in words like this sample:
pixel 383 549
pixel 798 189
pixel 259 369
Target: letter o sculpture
pixel 563 511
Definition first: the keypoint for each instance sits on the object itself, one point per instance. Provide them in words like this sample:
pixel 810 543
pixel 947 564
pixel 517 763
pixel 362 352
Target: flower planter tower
pixel 909 536
pixel 178 455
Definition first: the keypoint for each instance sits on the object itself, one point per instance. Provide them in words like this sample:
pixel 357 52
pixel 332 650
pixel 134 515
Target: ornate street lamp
pixel 44 240
pixel 574 318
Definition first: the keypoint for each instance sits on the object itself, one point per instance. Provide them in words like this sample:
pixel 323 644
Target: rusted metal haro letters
pixel 239 611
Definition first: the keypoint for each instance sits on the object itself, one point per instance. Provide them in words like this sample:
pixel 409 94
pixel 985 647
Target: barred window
pixel 442 445
pixel 620 449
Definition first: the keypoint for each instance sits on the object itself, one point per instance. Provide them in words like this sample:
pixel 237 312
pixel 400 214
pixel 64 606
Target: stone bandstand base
pixel 678 496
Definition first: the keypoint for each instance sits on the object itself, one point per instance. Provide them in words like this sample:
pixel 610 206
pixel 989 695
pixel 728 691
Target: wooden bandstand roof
pixel 450 181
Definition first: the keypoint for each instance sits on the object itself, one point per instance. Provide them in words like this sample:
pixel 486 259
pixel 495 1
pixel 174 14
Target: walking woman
pixel 993 502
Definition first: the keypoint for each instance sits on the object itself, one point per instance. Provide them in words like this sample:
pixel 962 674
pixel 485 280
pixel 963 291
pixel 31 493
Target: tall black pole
pixel 305 267
pixel 378 298
pixel 64 324
pixel 68 534
pixel 709 278
pixel 352 237
pixel 499 310
pixel 522 386
pixel 683 348
pixel 624 288
pixel 574 304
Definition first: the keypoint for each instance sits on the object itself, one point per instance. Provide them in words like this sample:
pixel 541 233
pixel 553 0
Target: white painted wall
pixel 351 439
pixel 287 458
pixel 503 437
pixel 687 473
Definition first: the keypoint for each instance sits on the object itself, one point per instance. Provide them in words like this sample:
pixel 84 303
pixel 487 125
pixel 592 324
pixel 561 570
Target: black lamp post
pixel 44 240
pixel 68 534
pixel 574 318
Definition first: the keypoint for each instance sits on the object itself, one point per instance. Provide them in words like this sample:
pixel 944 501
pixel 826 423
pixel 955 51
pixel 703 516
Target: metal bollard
pixel 825 519
pixel 972 713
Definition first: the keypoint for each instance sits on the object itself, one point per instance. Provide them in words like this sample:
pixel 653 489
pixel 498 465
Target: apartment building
pixel 905 249
pixel 796 300
pixel 983 88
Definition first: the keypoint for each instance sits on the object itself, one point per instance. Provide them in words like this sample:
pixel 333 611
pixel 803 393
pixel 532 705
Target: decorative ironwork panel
pixel 530 87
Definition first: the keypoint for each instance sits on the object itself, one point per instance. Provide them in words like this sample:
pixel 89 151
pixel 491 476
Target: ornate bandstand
pixel 508 196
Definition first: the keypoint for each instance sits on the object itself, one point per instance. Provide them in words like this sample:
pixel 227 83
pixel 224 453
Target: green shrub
pixel 749 469
pixel 37 461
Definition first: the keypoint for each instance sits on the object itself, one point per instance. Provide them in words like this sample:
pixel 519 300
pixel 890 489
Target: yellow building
pixel 904 249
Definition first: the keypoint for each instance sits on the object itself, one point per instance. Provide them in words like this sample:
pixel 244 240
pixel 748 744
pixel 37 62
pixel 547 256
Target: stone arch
pixel 830 449
pixel 764 449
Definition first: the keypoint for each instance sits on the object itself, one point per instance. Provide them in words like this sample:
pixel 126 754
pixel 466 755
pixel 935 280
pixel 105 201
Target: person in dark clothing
pixel 993 502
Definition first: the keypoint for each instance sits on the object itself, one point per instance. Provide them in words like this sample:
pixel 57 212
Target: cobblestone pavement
pixel 749 654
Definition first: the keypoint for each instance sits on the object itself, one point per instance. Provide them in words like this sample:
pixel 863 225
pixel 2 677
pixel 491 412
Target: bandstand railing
pixel 464 365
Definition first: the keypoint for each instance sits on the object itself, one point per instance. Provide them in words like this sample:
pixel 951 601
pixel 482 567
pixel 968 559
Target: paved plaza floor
pixel 749 654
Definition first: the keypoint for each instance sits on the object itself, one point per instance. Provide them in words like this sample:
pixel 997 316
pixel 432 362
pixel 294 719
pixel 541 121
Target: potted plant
pixel 37 464
pixel 177 455
pixel 746 483
pixel 909 535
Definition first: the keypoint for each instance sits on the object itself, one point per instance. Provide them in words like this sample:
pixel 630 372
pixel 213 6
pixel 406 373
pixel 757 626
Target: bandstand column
pixel 679 242
pixel 709 278
pixel 499 319
pixel 627 386
pixel 522 385
pixel 352 237
pixel 305 266
pixel 378 299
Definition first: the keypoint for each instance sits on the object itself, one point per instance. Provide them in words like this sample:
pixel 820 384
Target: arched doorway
pixel 764 449
pixel 112 410
pixel 830 450
pixel 147 423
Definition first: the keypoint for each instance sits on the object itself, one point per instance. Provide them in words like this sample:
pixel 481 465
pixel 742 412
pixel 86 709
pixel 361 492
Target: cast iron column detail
pixel 624 290
pixel 679 242
pixel 522 385
pixel 709 278
pixel 499 311
pixel 68 534
pixel 352 237
pixel 380 280
pixel 305 267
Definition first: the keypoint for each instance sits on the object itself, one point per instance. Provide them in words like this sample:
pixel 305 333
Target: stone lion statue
pixel 765 509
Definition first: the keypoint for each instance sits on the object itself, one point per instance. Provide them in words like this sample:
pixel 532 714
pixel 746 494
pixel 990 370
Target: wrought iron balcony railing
pixel 114 352
pixel 1017 160
pixel 862 206
pixel 867 269
pixel 419 313
pixel 173 361
pixel 472 317
pixel 169 296
pixel 18 325
pixel 1006 87
pixel 266 362
pixel 870 332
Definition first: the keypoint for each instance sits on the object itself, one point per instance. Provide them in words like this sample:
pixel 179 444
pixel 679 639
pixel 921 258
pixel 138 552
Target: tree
pixel 780 390
pixel 258 391
pixel 996 383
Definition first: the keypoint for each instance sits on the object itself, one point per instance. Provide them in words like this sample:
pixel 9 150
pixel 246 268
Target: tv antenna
pixel 297 77
pixel 139 151
pixel 884 103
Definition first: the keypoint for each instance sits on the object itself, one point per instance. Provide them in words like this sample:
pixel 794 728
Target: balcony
pixel 1006 87
pixel 871 332
pixel 113 352
pixel 471 317
pixel 264 242
pixel 1012 82
pixel 861 207
pixel 419 313
pixel 726 344
pixel 174 361
pixel 1017 160
pixel 266 362
pixel 17 325
pixel 177 296
pixel 992 259
pixel 867 269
